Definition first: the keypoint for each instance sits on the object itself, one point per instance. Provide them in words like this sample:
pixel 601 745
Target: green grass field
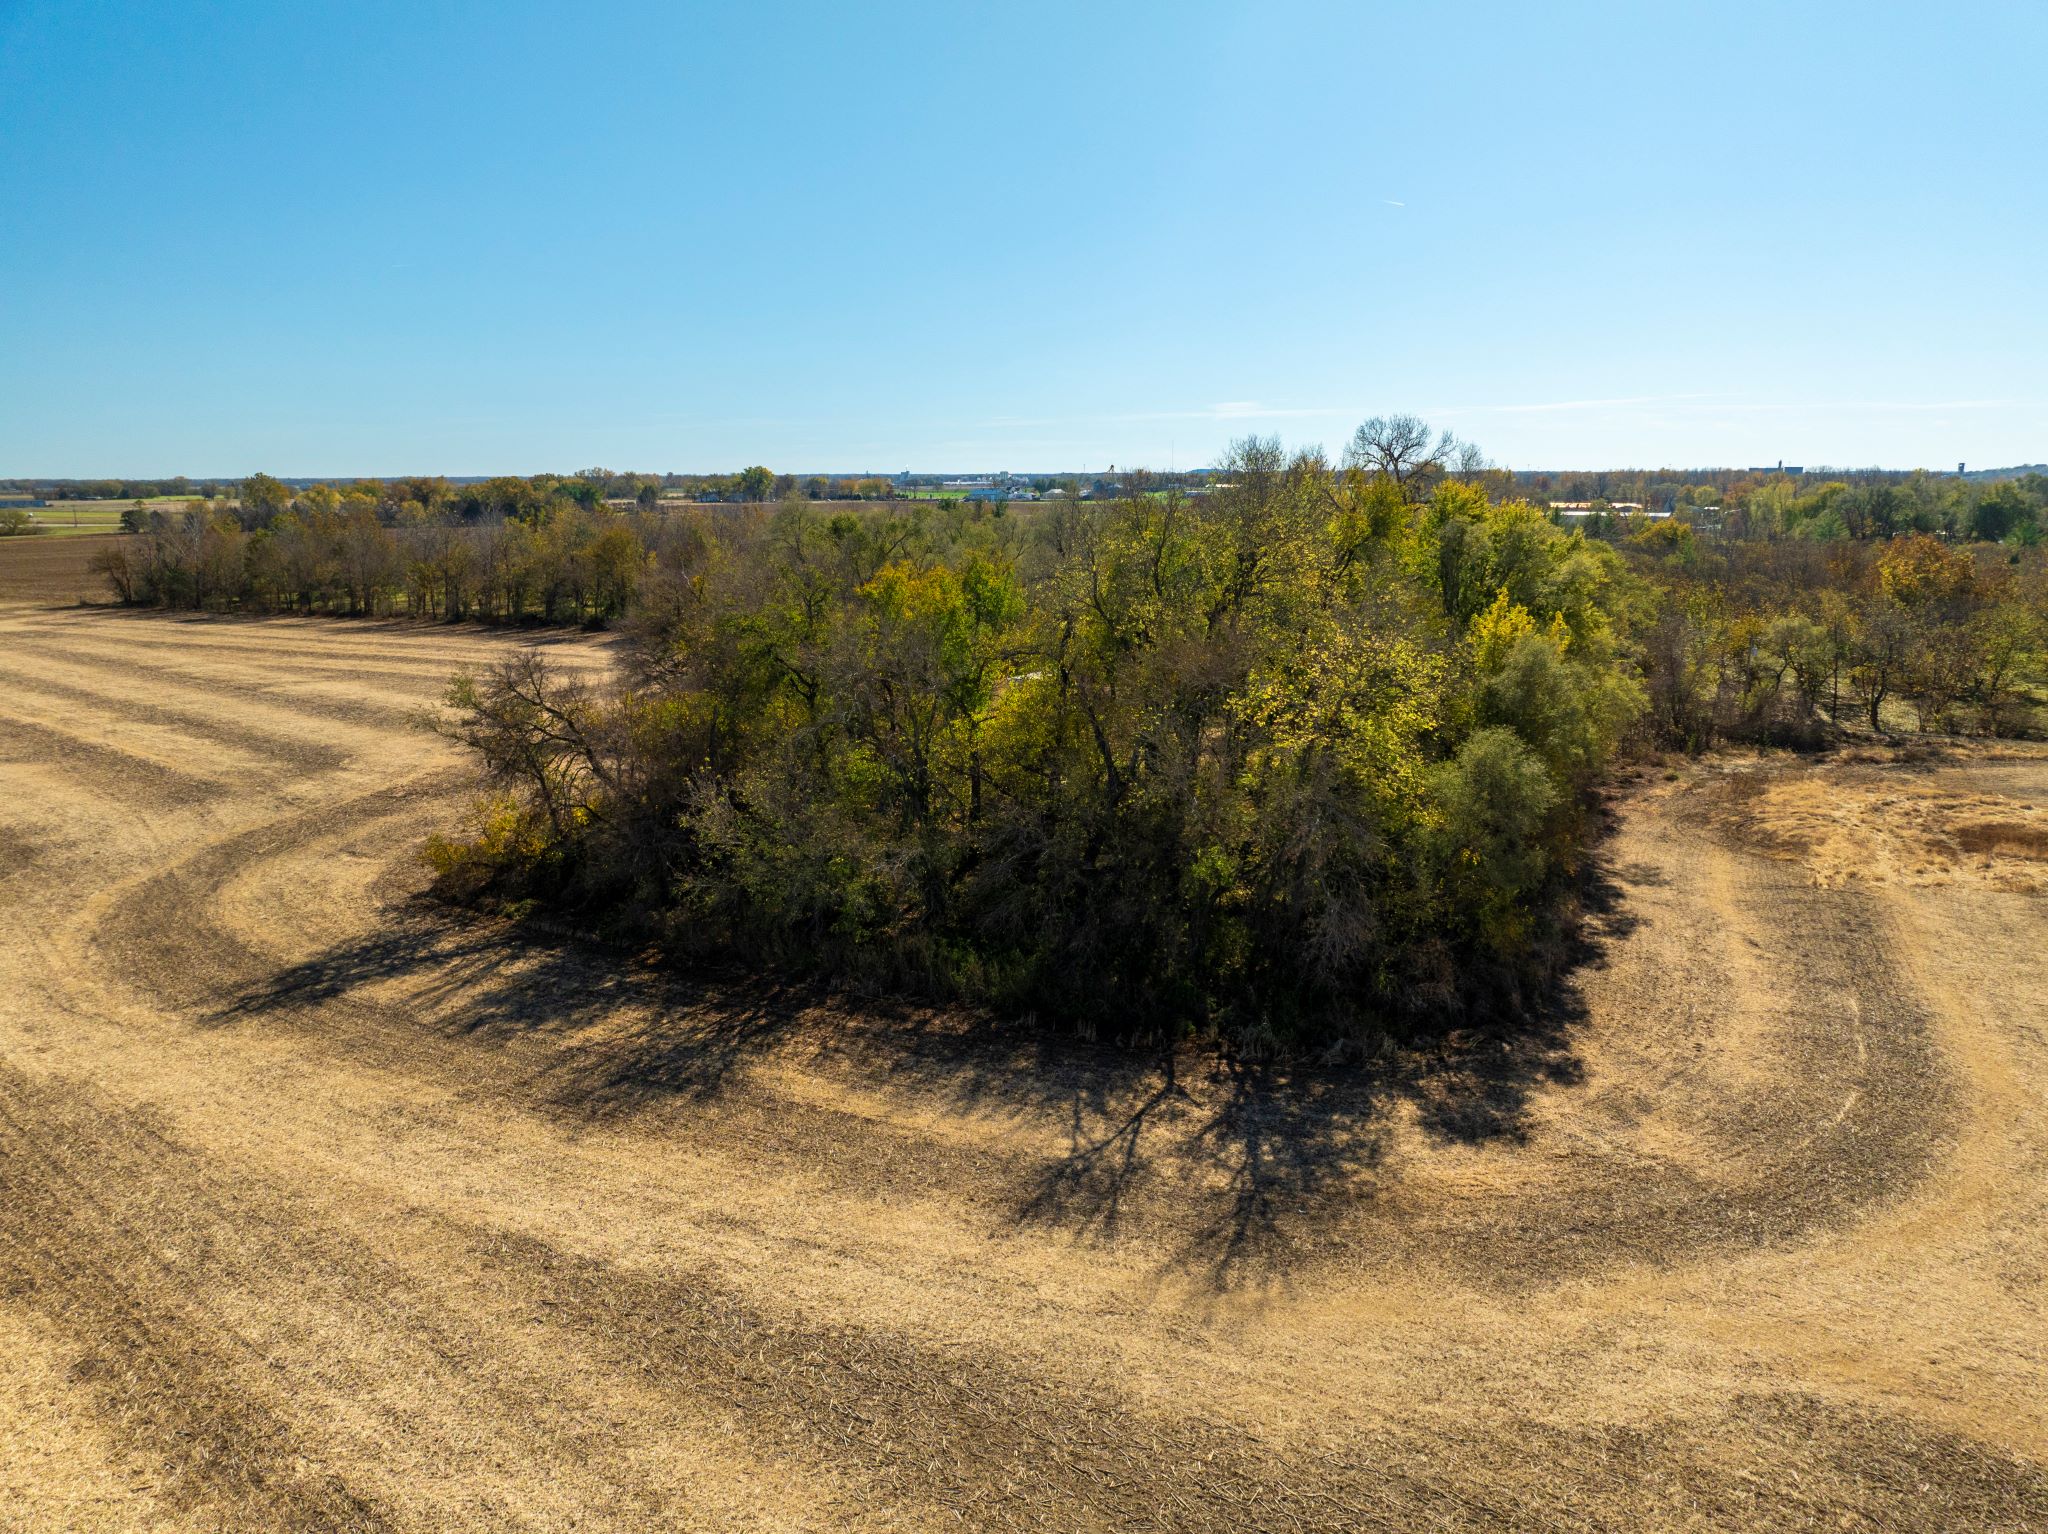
pixel 91 516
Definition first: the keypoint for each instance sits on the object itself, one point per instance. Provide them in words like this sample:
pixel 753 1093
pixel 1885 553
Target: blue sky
pixel 385 238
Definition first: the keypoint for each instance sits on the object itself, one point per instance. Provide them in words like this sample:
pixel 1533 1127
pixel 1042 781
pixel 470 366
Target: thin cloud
pixel 1543 406
pixel 1910 405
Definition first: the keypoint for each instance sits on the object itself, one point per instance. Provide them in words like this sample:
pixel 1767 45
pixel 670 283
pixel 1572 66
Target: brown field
pixel 51 570
pixel 321 1210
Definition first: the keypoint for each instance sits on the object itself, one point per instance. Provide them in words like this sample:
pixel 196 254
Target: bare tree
pixel 536 732
pixel 1403 448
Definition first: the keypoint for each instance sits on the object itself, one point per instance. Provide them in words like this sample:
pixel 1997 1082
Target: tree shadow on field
pixel 1233 1170
pixel 629 1035
pixel 1253 1161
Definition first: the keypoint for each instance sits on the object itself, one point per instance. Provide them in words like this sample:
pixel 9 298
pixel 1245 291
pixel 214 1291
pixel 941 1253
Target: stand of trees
pixel 1801 605
pixel 552 548
pixel 1298 760
pixel 330 553
pixel 1785 642
pixel 1294 758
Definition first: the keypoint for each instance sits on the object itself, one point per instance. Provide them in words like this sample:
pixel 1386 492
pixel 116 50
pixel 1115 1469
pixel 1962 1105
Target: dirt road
pixel 321 1211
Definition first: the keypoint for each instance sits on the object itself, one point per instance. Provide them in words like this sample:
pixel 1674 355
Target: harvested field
pixel 322 1209
pixel 46 570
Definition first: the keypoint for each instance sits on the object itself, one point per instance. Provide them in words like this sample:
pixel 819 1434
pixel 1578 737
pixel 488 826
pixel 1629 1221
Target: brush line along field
pixel 323 1209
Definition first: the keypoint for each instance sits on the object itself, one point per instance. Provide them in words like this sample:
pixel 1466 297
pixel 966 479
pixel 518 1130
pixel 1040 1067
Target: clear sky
pixel 318 238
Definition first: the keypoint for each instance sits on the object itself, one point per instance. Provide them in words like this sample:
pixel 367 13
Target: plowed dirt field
pixel 321 1208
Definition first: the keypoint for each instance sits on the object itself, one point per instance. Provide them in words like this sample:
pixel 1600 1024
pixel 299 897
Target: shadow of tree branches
pixel 1235 1167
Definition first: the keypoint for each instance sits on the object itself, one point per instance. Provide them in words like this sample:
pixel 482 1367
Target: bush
pixel 1496 802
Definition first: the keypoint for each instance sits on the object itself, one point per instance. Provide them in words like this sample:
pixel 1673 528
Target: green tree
pixel 1268 761
pixel 263 500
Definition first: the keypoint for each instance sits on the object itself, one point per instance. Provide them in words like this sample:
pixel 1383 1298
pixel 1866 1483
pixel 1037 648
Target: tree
pixel 540 734
pixel 368 556
pixel 263 500
pixel 755 484
pixel 1496 802
pixel 612 562
pixel 1402 448
pixel 1999 510
pixel 114 564
pixel 1884 645
pixel 2010 639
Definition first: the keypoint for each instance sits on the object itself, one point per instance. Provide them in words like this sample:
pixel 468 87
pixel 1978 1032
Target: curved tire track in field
pixel 351 1214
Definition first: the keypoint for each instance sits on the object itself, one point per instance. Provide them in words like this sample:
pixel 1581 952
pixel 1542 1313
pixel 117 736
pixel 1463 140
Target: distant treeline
pixel 1765 504
pixel 335 554
pixel 473 497
pixel 115 489
pixel 552 548
pixel 1771 619
pixel 1739 590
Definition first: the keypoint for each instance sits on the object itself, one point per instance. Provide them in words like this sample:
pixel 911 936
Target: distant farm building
pixel 1580 510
